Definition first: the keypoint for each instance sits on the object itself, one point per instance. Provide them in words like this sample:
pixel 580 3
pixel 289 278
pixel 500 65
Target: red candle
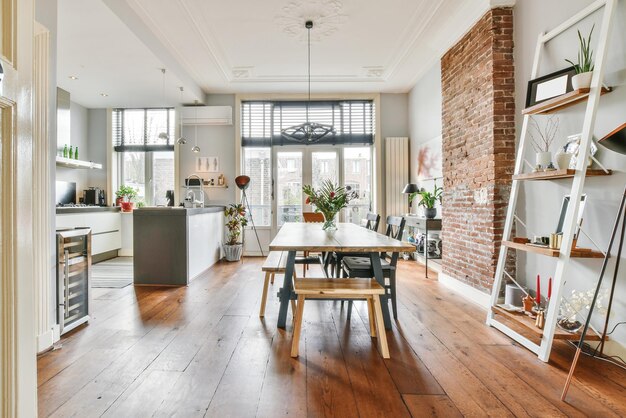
pixel 538 298
pixel 549 287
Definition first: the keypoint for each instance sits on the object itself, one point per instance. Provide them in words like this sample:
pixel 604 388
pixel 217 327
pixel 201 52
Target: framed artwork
pixel 573 144
pixel 208 164
pixel 549 86
pixel 429 160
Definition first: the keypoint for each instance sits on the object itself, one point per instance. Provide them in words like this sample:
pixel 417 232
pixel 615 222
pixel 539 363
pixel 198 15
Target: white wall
pixel 540 201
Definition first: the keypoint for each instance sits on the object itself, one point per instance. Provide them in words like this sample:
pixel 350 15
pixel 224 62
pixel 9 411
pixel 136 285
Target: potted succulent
pixel 329 199
pixel 235 222
pixel 428 200
pixel 124 198
pixel 584 67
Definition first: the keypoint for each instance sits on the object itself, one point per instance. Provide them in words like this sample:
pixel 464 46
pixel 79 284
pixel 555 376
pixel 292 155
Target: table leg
pixel 384 299
pixel 426 249
pixel 286 292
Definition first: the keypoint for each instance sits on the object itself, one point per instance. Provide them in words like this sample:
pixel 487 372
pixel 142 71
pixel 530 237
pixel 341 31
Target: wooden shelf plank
pixel 71 163
pixel 525 325
pixel 549 252
pixel 561 102
pixel 559 174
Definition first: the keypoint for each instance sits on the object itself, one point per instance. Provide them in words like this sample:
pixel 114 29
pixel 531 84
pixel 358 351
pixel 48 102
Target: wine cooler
pixel 73 277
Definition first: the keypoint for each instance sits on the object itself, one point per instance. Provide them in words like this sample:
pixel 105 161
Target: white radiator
pixel 396 175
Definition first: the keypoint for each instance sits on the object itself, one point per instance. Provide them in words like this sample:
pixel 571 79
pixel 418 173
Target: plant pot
pixel 233 252
pixel 563 160
pixel 127 206
pixel 430 213
pixel 118 201
pixel 543 159
pixel 582 80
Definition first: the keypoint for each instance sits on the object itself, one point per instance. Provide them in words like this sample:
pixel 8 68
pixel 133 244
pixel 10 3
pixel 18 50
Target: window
pixel 359 180
pixel 145 155
pixel 291 165
pixel 256 165
pixel 356 166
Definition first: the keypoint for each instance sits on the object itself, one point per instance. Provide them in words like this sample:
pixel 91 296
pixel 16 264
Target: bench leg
pixel 380 327
pixel 264 296
pixel 295 343
pixel 371 317
pixel 293 308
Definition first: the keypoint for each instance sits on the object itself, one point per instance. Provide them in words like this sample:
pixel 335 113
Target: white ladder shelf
pixel 507 323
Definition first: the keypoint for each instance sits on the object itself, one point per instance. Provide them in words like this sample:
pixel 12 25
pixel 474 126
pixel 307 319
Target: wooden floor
pixel 203 351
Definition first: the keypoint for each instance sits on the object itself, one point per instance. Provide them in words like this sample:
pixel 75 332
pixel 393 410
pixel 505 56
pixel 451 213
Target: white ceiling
pixel 228 47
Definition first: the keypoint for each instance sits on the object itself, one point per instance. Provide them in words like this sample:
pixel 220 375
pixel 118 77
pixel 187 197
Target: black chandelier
pixel 308 132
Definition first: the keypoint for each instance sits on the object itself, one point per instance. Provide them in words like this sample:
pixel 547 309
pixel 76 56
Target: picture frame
pixel 573 144
pixel 549 86
pixel 579 221
pixel 208 164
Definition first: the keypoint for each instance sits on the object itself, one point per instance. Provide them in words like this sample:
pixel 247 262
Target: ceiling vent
pixel 207 115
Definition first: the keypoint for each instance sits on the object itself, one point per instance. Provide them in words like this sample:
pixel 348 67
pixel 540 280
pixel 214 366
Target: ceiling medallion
pixel 326 14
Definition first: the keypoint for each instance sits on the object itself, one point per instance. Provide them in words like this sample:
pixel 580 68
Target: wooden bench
pixel 368 289
pixel 274 263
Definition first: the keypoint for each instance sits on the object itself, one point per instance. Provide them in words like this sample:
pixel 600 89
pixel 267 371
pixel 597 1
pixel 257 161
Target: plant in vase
pixel 124 197
pixel 329 199
pixel 542 138
pixel 235 222
pixel 428 200
pixel 573 310
pixel 584 67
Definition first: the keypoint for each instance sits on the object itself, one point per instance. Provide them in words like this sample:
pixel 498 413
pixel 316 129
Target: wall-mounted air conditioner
pixel 207 115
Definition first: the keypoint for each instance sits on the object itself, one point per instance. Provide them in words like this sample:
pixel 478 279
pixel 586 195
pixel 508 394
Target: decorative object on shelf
pixel 584 66
pixel 571 147
pixel 76 153
pixel 581 210
pixel 573 309
pixel 235 222
pixel 429 200
pixel 242 183
pixel 70 155
pixel 308 132
pixel 549 86
pixel 221 181
pixel 540 320
pixel 124 198
pixel 64 154
pixel 563 159
pixel 529 303
pixel 411 189
pixel 329 199
pixel 615 141
pixel 181 139
pixel 541 140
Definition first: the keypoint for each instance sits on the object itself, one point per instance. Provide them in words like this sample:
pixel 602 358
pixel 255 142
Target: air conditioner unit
pixel 207 115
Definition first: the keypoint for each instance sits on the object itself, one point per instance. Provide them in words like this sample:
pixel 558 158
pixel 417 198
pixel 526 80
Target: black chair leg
pixel 394 302
pixel 349 310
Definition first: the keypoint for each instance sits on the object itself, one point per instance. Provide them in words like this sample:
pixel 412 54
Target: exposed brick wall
pixel 477 81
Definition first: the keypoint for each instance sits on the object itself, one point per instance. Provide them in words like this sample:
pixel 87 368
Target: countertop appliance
pixel 94 196
pixel 65 193
pixel 73 277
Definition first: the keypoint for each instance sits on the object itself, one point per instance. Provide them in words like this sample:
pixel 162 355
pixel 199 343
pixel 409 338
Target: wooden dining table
pixel 348 238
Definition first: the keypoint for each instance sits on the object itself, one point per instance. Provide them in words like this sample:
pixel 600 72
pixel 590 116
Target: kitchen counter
pixel 174 245
pixel 87 209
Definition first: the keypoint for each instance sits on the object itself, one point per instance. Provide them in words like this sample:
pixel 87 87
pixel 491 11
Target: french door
pixel 296 166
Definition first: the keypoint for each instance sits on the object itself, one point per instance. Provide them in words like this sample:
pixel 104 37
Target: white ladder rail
pixel 570 224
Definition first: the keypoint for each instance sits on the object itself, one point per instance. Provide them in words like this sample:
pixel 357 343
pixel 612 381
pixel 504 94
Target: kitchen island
pixel 174 245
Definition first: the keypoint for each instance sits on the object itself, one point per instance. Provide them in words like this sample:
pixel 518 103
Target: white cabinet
pixel 105 228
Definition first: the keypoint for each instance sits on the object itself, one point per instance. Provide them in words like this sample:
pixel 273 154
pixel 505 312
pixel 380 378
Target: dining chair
pixel 306 260
pixel 372 220
pixel 362 266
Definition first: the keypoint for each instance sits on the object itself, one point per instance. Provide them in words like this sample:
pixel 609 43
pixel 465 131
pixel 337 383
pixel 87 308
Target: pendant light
pixel 181 139
pixel 308 132
pixel 163 135
pixel 196 148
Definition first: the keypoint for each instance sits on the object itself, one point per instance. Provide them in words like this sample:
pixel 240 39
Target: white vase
pixel 563 159
pixel 543 159
pixel 582 80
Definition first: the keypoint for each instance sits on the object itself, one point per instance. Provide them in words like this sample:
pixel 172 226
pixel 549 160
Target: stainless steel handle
pixel 67 283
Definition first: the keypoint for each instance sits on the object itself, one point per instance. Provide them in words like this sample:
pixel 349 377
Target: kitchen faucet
pixel 191 192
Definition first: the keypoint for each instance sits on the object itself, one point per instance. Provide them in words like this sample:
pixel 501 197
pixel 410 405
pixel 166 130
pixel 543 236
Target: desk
pixel 348 238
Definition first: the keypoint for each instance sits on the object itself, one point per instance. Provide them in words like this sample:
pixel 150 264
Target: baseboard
pixel 45 341
pixel 125 252
pixel 470 293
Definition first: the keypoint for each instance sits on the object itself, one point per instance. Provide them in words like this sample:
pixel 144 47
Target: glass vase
pixel 330 223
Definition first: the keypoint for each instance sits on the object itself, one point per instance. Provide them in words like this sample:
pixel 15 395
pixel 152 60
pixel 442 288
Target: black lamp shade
pixel 615 140
pixel 410 188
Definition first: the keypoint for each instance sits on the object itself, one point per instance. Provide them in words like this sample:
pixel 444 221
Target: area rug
pixel 116 273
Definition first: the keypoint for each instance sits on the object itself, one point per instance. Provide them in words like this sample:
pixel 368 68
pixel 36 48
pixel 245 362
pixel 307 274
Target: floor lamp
pixel 242 183
pixel 615 141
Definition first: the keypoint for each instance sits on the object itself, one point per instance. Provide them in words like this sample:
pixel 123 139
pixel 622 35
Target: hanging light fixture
pixel 181 139
pixel 196 148
pixel 308 132
pixel 163 135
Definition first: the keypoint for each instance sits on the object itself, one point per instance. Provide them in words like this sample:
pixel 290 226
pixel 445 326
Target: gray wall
pixel 97 147
pixel 394 115
pixel 213 141
pixel 540 201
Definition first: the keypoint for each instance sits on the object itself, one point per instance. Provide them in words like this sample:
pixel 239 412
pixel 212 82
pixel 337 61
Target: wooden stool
pixel 274 263
pixel 367 289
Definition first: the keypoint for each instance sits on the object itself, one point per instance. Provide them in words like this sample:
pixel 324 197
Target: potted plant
pixel 428 200
pixel 124 197
pixel 541 140
pixel 235 221
pixel 329 199
pixel 584 67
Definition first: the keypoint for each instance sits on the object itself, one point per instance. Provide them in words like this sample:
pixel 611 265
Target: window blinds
pixel 139 129
pixel 263 121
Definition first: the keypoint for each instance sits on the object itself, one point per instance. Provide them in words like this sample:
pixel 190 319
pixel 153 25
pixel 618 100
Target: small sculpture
pixel 529 302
